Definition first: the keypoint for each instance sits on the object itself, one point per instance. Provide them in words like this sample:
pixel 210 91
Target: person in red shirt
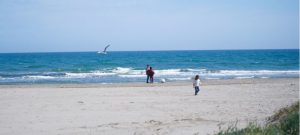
pixel 150 72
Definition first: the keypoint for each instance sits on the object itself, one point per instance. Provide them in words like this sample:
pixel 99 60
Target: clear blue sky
pixel 88 25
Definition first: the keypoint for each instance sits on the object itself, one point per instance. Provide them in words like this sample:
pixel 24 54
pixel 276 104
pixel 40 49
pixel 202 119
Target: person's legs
pixel 196 90
pixel 151 79
pixel 148 78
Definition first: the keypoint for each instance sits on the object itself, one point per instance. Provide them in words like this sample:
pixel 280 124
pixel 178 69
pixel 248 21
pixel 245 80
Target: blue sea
pixel 129 66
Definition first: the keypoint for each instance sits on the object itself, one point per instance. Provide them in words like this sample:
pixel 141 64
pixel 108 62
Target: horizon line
pixel 153 50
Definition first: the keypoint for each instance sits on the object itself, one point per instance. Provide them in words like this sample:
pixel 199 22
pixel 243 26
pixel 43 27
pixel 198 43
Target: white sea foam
pixel 120 70
pixel 244 77
pixel 246 72
pixel 180 74
pixel 193 70
pixel 38 77
pixel 130 71
pixel 101 73
pixel 179 79
pixel 85 75
pixel 106 83
pixel 131 76
pixel 137 72
pixel 212 78
pixel 168 72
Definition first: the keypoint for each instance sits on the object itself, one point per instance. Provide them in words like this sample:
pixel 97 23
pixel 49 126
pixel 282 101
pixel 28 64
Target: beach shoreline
pixel 140 108
pixel 143 84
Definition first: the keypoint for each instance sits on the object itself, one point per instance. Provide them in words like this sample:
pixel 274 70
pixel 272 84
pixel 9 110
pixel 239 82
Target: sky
pixel 133 25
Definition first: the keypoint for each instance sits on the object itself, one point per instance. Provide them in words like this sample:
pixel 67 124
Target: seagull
pixel 104 51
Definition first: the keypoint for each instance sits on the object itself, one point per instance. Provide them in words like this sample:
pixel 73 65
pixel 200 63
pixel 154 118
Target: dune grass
pixel 283 122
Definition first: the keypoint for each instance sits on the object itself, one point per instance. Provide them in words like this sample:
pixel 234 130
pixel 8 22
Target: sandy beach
pixel 138 108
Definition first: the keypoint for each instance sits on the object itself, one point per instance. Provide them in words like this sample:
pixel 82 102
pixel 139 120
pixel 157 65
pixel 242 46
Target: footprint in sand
pixel 80 102
pixel 153 122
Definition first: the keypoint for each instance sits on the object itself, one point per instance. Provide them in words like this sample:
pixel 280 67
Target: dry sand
pixel 169 108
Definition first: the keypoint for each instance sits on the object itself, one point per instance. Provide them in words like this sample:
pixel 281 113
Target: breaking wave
pixel 129 74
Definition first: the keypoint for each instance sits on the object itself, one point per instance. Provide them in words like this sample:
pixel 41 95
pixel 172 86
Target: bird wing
pixel 106 48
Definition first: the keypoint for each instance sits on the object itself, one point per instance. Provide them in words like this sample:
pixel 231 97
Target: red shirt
pixel 150 72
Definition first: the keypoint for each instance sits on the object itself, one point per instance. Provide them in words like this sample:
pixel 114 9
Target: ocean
pixel 129 66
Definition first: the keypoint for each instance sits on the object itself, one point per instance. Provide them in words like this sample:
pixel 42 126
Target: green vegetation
pixel 284 122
